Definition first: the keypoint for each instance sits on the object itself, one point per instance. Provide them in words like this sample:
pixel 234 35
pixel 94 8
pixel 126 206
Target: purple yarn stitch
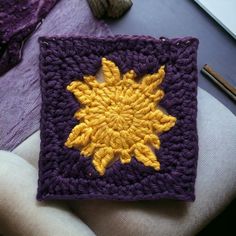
pixel 18 19
pixel 64 173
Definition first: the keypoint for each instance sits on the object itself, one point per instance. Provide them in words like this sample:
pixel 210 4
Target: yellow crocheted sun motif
pixel 120 118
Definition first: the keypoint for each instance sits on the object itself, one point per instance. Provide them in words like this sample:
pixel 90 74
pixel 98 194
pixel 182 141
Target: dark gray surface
pixel 175 18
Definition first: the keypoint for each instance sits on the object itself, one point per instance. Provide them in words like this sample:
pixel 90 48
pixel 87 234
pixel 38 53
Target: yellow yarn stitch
pixel 120 118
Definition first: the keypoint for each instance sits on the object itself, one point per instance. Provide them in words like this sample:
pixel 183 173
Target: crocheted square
pixel 118 118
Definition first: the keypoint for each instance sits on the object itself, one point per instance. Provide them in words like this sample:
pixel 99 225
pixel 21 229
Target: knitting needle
pixel 220 81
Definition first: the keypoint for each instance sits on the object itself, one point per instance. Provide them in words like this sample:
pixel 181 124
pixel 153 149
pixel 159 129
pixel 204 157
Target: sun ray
pixel 146 156
pixel 153 140
pixel 102 158
pixel 79 135
pixel 156 97
pixel 152 81
pixel 88 150
pixel 121 118
pixel 81 91
pixel 163 122
pixel 110 71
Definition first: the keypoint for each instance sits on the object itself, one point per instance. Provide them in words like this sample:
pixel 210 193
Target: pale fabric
pixel 21 214
pixel 215 185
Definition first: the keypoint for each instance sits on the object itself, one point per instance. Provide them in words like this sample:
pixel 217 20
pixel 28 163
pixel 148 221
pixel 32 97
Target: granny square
pixel 118 118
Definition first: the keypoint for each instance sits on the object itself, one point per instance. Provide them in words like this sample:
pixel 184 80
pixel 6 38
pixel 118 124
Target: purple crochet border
pixel 64 173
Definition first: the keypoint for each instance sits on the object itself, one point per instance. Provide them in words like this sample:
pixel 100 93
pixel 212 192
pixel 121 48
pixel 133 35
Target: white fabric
pixel 21 214
pixel 215 185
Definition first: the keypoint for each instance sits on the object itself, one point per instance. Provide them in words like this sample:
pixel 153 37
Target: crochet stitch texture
pixel 120 118
pixel 130 137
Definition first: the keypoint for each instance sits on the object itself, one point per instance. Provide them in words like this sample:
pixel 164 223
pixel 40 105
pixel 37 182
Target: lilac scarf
pixel 20 90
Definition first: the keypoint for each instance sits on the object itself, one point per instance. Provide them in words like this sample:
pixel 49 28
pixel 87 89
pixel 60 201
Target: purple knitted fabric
pixel 18 19
pixel 64 173
pixel 20 88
